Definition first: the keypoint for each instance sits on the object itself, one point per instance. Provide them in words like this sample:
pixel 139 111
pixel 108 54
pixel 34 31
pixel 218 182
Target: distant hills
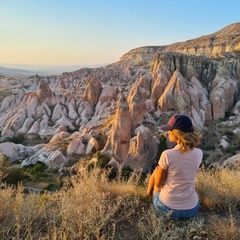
pixel 14 72
pixel 21 70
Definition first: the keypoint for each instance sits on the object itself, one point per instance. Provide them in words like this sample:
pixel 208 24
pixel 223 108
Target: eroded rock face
pixel 144 85
pixel 137 57
pixel 16 152
pixel 160 81
pixel 203 68
pixel 176 95
pixel 143 150
pixel 61 148
pixel 44 90
pixel 93 90
pixel 223 96
pixel 183 97
pixel 216 44
pixel 108 94
pixel 118 140
pixel 137 107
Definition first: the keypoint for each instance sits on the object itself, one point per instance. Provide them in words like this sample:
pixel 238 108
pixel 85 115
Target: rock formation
pixel 198 77
pixel 143 150
pixel 93 90
pixel 118 141
pixel 137 106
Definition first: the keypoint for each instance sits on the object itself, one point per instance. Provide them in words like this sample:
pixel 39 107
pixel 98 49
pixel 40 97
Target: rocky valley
pixel 117 109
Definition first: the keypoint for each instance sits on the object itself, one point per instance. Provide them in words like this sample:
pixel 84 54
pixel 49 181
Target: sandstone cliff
pixel 218 44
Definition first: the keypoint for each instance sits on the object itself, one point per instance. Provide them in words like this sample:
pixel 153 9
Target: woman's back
pixel 178 190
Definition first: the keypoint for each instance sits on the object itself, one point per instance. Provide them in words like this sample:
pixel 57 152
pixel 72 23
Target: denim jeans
pixel 161 207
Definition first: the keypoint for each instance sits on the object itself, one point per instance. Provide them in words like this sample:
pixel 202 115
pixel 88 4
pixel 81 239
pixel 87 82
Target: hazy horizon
pixel 34 67
pixel 14 70
pixel 88 33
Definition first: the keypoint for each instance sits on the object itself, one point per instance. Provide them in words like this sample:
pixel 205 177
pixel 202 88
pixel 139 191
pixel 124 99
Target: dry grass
pixel 219 190
pixel 224 227
pixel 89 206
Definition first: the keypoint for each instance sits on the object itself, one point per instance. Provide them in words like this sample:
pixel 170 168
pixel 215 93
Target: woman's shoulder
pixel 197 150
pixel 176 149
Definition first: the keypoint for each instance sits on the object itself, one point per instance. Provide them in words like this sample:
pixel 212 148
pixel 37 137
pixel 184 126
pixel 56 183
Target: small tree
pixel 5 161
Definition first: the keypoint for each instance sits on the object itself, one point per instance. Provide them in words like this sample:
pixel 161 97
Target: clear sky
pixel 89 32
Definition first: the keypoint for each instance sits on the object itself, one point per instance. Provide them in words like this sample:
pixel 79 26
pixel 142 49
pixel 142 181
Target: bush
pixel 126 172
pixel 13 175
pixel 230 149
pixel 36 170
pixel 161 146
pixel 18 139
pixel 5 161
pixel 208 147
pixel 102 159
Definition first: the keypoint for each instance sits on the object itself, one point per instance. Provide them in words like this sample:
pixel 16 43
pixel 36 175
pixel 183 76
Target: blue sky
pixel 89 32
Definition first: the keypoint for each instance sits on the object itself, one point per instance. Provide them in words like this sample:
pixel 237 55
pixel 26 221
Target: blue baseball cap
pixel 179 122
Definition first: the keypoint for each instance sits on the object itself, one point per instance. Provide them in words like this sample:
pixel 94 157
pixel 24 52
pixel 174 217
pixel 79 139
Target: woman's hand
pixel 150 192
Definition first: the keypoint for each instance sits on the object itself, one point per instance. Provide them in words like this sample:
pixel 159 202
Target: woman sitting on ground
pixel 172 182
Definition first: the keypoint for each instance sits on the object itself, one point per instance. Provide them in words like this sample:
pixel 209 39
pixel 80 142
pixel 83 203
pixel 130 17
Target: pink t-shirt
pixel 178 191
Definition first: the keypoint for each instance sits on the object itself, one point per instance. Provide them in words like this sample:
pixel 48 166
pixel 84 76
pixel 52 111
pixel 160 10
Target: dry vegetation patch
pixel 90 206
pixel 219 189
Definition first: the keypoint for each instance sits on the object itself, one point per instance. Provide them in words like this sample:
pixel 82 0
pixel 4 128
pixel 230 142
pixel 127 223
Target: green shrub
pixel 162 145
pixel 126 172
pixel 102 159
pixel 17 139
pixel 52 187
pixel 38 170
pixel 5 161
pixel 229 134
pixel 13 175
pixel 230 149
pixel 208 147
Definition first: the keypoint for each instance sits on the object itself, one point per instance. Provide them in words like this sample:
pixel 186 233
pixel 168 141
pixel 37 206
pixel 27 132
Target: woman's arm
pixel 156 181
pixel 151 185
pixel 160 176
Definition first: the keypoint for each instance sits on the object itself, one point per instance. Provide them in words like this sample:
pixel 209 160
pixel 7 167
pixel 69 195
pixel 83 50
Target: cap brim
pixel 166 127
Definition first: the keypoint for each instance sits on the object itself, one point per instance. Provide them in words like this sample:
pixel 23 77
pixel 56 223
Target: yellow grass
pixel 224 227
pixel 89 206
pixel 219 189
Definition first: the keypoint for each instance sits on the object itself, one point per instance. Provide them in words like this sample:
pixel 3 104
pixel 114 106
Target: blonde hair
pixel 187 140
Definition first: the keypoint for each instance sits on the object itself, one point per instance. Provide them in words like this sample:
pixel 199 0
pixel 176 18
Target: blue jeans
pixel 161 207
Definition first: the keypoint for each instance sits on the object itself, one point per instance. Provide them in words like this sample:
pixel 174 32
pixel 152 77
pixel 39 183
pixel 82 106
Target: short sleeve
pixel 163 161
